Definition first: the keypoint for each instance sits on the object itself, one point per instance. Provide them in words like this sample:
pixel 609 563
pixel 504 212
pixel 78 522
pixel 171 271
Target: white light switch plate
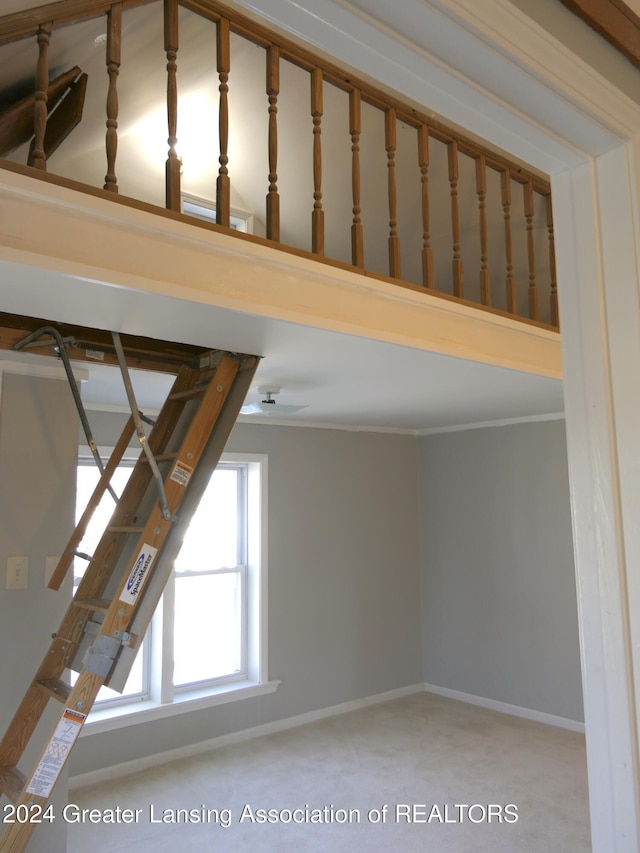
pixel 17 572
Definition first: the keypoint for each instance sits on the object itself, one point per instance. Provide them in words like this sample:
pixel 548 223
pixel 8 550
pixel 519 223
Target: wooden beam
pixel 96 345
pixel 22 24
pixel 67 116
pixel 16 123
pixel 614 21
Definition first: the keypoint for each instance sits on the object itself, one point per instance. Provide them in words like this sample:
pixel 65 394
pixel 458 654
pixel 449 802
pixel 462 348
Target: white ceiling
pixel 341 379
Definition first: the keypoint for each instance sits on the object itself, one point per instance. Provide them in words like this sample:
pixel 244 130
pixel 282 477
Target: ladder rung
pixel 56 688
pixel 101 604
pixel 189 393
pixel 161 457
pixel 124 529
pixel 82 555
pixel 12 783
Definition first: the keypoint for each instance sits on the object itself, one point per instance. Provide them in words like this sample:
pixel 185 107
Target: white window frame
pixel 205 209
pixel 163 700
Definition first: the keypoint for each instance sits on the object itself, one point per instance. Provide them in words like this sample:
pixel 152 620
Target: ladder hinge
pixel 100 657
pixel 124 637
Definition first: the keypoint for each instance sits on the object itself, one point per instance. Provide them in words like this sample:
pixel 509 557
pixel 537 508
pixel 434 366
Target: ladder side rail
pixel 81 528
pixel 173 543
pixel 53 758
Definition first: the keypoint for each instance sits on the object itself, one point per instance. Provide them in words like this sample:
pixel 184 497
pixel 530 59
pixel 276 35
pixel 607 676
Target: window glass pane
pixel 208 627
pixel 211 540
pixel 87 479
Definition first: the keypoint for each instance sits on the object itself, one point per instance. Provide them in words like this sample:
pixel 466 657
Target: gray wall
pixel 344 603
pixel 38 453
pixel 498 586
pixel 365 531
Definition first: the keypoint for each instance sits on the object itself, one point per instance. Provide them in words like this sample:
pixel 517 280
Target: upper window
pixel 209 630
pixel 201 208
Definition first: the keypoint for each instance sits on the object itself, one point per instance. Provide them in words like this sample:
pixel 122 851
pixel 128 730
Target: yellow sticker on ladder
pixel 181 473
pixel 46 773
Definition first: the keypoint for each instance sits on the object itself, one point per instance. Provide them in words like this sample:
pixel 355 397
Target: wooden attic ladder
pixel 124 579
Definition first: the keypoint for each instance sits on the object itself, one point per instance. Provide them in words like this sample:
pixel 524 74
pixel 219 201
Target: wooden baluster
pixel 512 298
pixel 481 189
pixel 317 217
pixel 223 186
pixel 553 296
pixel 458 286
pixel 273 90
pixel 355 128
pixel 423 162
pixel 391 146
pixel 531 250
pixel 171 49
pixel 114 35
pixel 37 155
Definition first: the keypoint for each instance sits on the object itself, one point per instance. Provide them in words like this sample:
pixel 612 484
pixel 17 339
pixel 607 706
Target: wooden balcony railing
pixel 320 162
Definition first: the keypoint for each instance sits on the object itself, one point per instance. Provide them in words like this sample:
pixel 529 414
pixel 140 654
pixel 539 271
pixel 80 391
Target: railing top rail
pixel 62 13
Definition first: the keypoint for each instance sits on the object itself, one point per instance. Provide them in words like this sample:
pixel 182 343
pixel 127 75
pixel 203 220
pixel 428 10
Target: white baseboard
pixel 117 771
pixel 506 708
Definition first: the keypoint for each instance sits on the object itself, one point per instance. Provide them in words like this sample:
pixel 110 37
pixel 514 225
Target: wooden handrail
pixel 464 157
pixel 62 13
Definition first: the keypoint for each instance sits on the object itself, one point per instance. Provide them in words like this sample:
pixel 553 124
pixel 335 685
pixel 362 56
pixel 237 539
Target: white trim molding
pixel 507 708
pixel 116 771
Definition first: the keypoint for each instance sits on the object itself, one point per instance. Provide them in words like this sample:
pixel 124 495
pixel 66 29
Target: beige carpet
pixel 355 780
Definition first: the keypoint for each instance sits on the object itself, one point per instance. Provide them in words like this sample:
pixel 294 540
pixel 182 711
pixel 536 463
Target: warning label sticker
pixel 181 473
pixel 58 748
pixel 138 576
pixel 96 354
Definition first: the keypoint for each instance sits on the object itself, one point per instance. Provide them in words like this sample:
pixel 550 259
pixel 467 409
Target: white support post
pixel 599 318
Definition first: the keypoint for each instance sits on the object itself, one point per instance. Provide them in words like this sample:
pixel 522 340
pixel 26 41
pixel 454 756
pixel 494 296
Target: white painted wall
pixel 38 453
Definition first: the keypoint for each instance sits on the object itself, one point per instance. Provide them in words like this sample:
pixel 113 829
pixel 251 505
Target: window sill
pixel 109 719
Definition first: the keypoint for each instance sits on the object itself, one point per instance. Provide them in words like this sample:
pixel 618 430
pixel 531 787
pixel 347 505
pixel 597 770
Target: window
pixel 209 609
pixel 207 639
pixel 200 208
